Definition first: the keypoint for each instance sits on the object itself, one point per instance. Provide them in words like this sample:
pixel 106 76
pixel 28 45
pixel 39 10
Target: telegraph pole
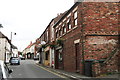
pixel 11 42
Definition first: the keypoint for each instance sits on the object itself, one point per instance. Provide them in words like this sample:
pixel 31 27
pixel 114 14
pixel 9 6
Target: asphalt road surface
pixel 28 69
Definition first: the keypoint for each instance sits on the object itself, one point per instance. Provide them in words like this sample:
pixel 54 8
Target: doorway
pixel 77 53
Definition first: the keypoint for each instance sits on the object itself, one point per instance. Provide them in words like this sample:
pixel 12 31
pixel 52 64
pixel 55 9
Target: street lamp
pixel 11 36
pixel 11 42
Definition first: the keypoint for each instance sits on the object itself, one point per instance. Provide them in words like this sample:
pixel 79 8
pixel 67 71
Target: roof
pixel 66 14
pixel 46 27
pixel 55 20
pixel 3 36
pixel 31 44
pixel 14 47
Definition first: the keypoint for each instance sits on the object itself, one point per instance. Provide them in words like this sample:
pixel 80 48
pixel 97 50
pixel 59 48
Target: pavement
pixel 77 76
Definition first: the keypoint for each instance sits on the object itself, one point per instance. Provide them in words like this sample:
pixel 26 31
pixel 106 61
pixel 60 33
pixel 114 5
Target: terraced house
pixel 45 44
pixel 88 37
pixel 5 46
pixel 84 39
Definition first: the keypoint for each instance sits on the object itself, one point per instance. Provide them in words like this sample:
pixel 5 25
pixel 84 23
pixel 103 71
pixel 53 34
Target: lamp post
pixel 11 42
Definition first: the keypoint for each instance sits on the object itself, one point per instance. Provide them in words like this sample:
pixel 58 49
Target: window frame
pixel 69 26
pixel 75 18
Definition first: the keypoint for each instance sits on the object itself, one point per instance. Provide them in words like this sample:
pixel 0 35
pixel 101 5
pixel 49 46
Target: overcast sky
pixel 29 18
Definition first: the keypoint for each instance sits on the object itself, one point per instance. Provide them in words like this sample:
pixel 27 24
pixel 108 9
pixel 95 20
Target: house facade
pixel 29 51
pixel 15 51
pixel 44 50
pixel 89 36
pixel 46 44
pixel 5 45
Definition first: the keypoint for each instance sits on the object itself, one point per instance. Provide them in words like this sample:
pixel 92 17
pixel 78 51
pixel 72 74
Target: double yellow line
pixel 51 71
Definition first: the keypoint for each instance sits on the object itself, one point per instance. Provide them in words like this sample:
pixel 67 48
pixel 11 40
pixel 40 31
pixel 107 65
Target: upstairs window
pixel 69 24
pixel 47 35
pixel 75 14
pixel 75 18
pixel 64 29
pixel 57 34
pixel 60 32
pixel 75 22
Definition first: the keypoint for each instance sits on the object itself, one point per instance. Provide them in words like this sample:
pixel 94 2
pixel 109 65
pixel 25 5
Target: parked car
pixel 4 71
pixel 14 60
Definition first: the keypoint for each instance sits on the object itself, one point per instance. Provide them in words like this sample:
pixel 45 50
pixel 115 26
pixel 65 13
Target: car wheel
pixel 18 63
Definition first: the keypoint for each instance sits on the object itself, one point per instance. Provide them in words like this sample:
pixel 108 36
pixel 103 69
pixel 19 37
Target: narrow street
pixel 28 69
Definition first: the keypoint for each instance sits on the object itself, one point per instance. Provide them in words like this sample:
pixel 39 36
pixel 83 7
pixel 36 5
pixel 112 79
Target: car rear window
pixel 15 59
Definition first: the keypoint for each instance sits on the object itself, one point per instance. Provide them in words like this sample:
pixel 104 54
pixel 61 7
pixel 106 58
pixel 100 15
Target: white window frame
pixel 64 29
pixel 75 22
pixel 75 15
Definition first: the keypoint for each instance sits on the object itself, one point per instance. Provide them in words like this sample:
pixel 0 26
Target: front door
pixel 56 59
pixel 77 51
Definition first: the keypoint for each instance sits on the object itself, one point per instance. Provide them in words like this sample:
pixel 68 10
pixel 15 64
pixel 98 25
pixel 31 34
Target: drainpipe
pixel 82 38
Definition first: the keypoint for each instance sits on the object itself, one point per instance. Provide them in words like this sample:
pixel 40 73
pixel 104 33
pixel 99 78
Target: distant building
pixel 15 51
pixel 29 52
pixel 46 44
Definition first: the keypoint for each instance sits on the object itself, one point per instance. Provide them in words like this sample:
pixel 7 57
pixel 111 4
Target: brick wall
pixel 69 50
pixel 101 18
pixel 100 47
pixel 97 30
pixel 101 21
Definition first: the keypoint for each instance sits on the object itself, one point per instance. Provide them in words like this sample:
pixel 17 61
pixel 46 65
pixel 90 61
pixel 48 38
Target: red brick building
pixel 89 36
pixel 46 40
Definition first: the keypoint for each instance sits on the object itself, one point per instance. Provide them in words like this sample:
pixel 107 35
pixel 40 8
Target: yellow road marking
pixel 51 72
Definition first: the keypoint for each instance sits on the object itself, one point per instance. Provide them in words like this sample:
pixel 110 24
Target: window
pixel 57 34
pixel 60 57
pixel 64 29
pixel 46 56
pixel 68 25
pixel 52 32
pixel 47 35
pixel 60 32
pixel 75 22
pixel 75 14
pixel 75 18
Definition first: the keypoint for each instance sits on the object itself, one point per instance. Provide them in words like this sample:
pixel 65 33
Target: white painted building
pixel 15 51
pixel 32 48
pixel 5 47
